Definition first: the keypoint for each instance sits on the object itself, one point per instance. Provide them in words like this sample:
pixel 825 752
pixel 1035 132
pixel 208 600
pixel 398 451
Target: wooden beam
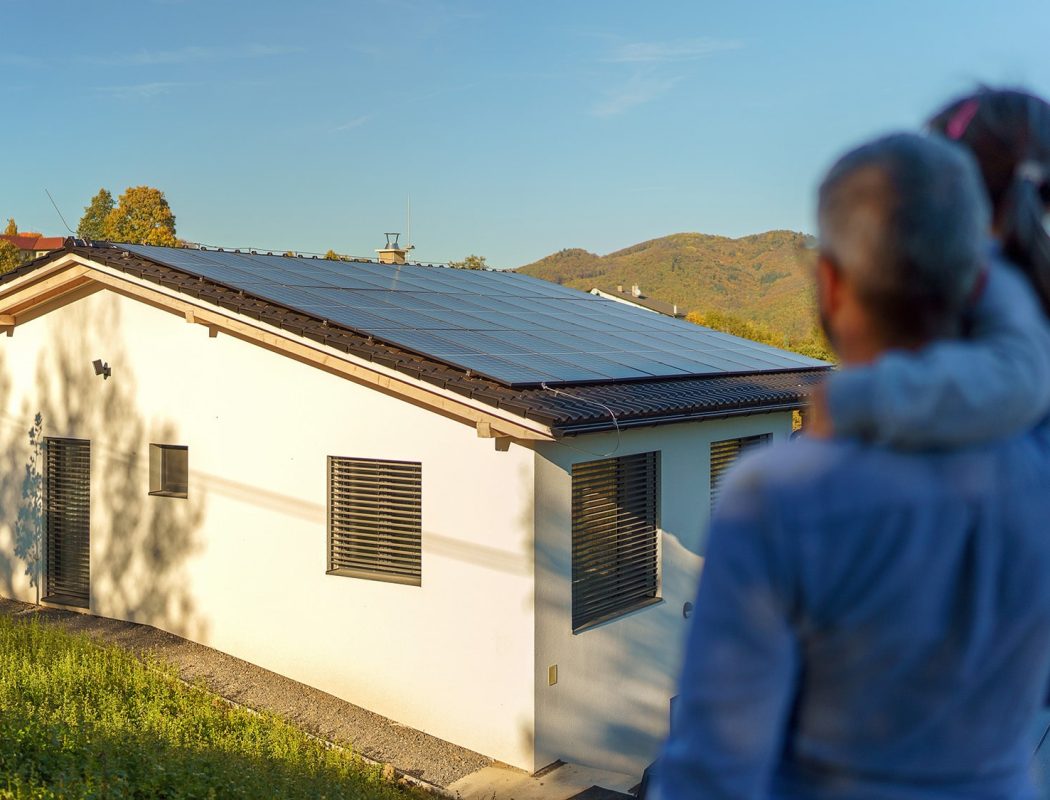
pixel 28 295
pixel 7 319
pixel 296 348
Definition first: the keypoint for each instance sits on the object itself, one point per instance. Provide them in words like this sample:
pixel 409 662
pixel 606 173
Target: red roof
pixel 34 243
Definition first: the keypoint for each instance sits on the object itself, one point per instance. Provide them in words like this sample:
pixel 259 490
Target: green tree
pixel 470 262
pixel 11 229
pixel 93 223
pixel 10 256
pixel 142 216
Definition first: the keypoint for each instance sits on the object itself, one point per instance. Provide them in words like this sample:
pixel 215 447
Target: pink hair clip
pixel 961 120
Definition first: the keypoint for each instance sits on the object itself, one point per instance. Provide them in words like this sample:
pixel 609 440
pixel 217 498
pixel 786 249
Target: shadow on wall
pixel 29 524
pixel 19 506
pixel 140 543
pixel 610 706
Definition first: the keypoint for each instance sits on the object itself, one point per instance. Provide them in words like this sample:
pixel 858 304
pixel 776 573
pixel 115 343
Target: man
pixel 873 623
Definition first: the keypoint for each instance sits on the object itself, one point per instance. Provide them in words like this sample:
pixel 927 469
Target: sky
pixel 515 129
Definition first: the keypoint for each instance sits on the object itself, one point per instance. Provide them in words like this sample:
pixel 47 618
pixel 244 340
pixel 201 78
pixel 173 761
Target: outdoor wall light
pixel 101 368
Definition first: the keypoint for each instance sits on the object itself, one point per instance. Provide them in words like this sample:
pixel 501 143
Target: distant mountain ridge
pixel 760 282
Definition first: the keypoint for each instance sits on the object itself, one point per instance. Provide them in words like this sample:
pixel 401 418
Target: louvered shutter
pixel 615 547
pixel 724 453
pixel 67 487
pixel 375 519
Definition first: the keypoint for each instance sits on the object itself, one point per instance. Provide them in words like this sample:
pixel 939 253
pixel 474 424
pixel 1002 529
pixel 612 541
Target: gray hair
pixel 905 217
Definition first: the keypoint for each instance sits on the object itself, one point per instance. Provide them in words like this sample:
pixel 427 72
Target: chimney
pixel 676 309
pixel 637 292
pixel 393 253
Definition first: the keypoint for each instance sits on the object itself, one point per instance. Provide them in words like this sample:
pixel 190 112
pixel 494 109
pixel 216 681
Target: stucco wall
pixel 610 706
pixel 240 564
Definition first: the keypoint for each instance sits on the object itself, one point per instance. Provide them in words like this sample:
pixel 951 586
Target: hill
pixel 756 286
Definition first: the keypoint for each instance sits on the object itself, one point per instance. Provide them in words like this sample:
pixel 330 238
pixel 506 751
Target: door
pixel 67 485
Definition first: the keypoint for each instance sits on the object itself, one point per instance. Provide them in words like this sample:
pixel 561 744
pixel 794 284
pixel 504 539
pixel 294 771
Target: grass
pixel 79 719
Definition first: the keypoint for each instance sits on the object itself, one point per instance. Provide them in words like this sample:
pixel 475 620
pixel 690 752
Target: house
pixel 471 501
pixel 33 245
pixel 635 297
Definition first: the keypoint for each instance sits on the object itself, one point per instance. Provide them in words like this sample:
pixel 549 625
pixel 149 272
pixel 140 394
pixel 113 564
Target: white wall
pixel 610 706
pixel 240 564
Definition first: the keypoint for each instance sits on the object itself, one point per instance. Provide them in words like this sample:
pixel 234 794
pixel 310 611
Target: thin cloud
pixel 196 54
pixel 638 90
pixel 138 91
pixel 356 122
pixel 670 52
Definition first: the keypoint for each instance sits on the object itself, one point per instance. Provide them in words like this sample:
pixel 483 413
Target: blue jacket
pixel 870 623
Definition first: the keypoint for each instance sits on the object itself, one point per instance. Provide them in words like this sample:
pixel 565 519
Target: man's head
pixel 902 223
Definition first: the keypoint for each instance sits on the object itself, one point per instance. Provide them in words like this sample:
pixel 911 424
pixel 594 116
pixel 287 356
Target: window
pixel 724 453
pixel 615 547
pixel 67 492
pixel 375 519
pixel 169 470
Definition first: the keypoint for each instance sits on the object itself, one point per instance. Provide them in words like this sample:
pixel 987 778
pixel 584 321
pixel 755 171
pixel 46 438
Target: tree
pixel 142 216
pixel 10 256
pixel 331 255
pixel 470 262
pixel 11 229
pixel 93 223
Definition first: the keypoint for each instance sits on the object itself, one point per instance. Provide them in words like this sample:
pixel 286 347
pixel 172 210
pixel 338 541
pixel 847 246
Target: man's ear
pixel 829 286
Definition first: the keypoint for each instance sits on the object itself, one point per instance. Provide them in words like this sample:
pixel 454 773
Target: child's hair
pixel 1008 132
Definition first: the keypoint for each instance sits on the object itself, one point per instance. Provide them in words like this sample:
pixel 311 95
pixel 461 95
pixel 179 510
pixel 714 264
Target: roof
pixel 567 407
pixel 34 243
pixel 512 328
pixel 644 301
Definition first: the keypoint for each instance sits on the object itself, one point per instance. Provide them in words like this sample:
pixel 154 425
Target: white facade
pixel 240 564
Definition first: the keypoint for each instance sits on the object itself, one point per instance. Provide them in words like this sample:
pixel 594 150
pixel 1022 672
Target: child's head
pixel 1008 132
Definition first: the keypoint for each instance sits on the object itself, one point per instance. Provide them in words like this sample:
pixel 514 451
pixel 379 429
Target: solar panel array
pixel 512 328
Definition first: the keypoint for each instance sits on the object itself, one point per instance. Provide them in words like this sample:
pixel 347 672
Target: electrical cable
pixel 612 415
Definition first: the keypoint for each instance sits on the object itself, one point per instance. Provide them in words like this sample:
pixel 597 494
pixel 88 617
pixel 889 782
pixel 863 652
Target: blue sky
pixel 517 128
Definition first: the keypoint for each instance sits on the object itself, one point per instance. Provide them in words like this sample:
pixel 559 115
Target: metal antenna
pixel 408 226
pixel 49 197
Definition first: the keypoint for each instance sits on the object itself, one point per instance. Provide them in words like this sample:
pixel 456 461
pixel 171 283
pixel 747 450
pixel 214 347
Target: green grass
pixel 83 720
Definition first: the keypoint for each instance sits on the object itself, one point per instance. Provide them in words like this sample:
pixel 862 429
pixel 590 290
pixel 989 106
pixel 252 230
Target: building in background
pixel 635 297
pixel 33 245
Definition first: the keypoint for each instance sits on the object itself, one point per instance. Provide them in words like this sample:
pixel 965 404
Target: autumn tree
pixel 93 223
pixel 10 256
pixel 142 216
pixel 331 255
pixel 470 262
pixel 11 229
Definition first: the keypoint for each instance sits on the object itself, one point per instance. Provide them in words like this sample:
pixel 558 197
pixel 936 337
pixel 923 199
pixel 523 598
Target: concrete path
pixel 561 783
pixel 447 768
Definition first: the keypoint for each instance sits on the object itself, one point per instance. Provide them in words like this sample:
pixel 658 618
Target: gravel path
pixel 410 751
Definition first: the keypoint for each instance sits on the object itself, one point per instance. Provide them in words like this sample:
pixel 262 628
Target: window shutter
pixel 724 453
pixel 68 501
pixel 615 547
pixel 375 519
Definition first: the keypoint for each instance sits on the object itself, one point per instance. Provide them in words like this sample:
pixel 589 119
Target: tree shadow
pixel 29 524
pixel 140 543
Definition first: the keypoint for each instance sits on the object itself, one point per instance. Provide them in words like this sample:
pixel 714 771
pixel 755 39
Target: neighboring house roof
pixel 34 243
pixel 566 407
pixel 627 296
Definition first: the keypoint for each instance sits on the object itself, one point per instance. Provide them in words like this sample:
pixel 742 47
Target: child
pixel 997 381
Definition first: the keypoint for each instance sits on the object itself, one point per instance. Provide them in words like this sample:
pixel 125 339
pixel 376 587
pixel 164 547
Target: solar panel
pixel 512 328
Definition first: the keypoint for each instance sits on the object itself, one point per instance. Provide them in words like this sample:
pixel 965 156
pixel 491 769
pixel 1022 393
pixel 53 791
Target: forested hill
pixel 756 286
